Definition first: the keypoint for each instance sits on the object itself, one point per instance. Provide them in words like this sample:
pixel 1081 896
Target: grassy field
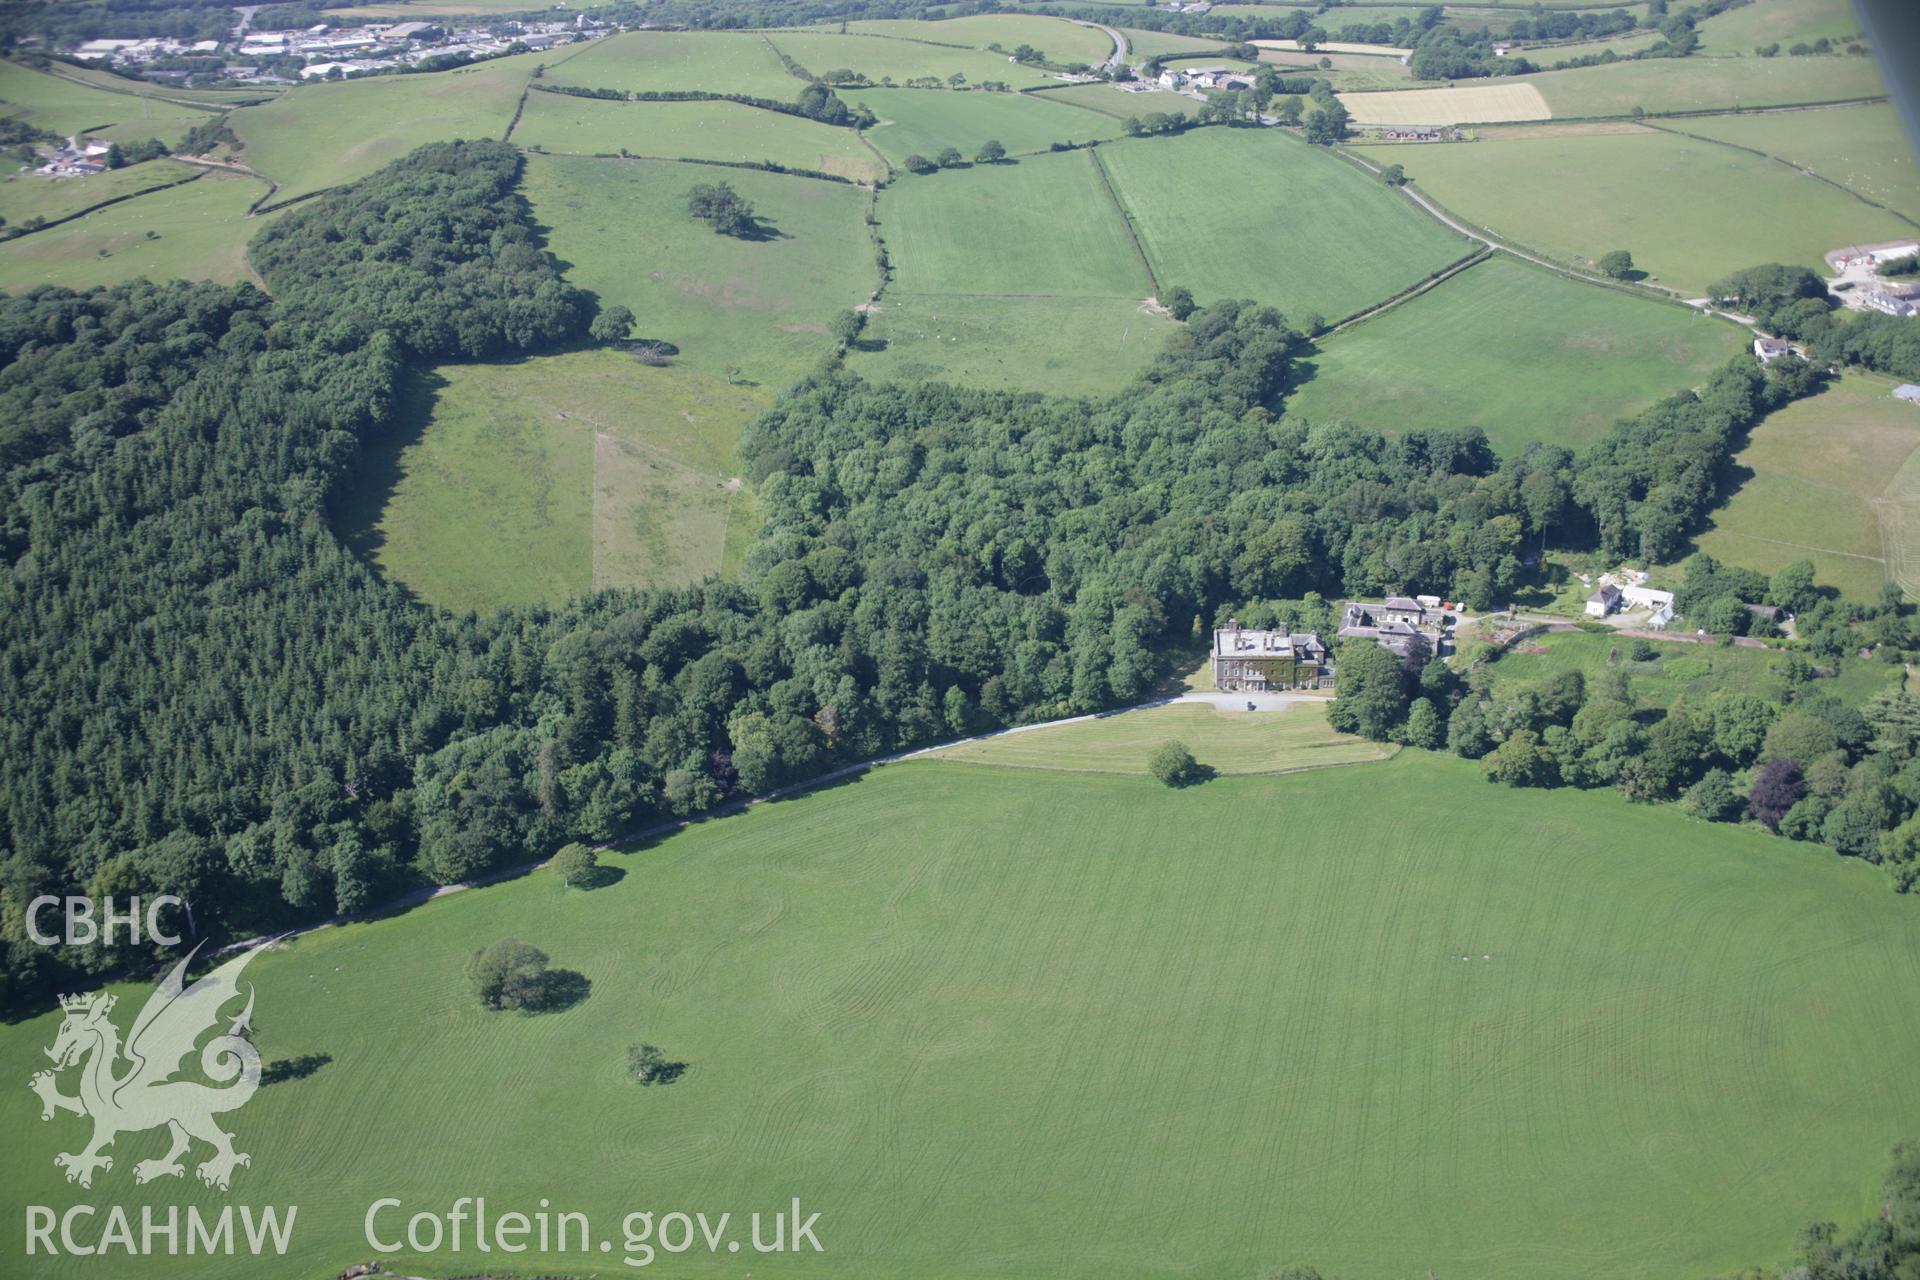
pixel 1824 480
pixel 1043 226
pixel 1518 351
pixel 926 120
pixel 1683 670
pixel 1704 84
pixel 1063 346
pixel 1740 30
pixel 758 306
pixel 1514 1035
pixel 1861 148
pixel 1690 219
pixel 50 102
pixel 539 480
pixel 321 135
pixel 884 58
pixel 715 61
pixel 1228 742
pixel 693 130
pixel 1061 41
pixel 1149 44
pixel 1293 227
pixel 196 231
pixel 1456 104
pixel 25 195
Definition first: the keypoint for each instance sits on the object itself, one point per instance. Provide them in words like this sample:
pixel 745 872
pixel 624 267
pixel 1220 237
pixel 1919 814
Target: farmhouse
pixel 1771 348
pixel 1603 601
pixel 1258 661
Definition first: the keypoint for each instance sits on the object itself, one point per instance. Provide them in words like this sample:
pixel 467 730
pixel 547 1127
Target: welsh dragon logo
pixel 131 1088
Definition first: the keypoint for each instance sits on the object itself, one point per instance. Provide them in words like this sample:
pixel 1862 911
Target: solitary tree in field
pixel 1394 176
pixel 723 208
pixel 949 158
pixel 508 975
pixel 991 152
pixel 1618 264
pixel 1179 302
pixel 1173 764
pixel 613 324
pixel 917 163
pixel 575 864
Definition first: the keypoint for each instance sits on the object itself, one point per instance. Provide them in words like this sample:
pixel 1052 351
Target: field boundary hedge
pixel 1126 219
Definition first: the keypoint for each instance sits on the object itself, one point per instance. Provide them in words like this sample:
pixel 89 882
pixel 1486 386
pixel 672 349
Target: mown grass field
pixel 196 231
pixel 757 306
pixel 1062 346
pixel 1705 84
pixel 1292 226
pixel 322 135
pixel 1861 148
pixel 1469 103
pixel 1690 220
pixel 884 58
pixel 537 481
pixel 1682 670
pixel 924 121
pixel 1823 480
pixel 1516 350
pixel 1042 226
pixel 24 194
pixel 51 102
pixel 1385 1019
pixel 714 61
pixel 728 131
pixel 1061 41
pixel 1229 742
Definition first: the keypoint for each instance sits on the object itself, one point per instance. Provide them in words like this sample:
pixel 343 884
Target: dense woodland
pixel 210 696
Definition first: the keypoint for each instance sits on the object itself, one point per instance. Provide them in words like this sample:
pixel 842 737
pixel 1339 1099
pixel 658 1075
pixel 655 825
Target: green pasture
pixel 1863 149
pixel 1384 1019
pixel 884 58
pixel 758 306
pixel 61 106
pixel 1705 84
pixel 674 61
pixel 925 121
pixel 195 231
pixel 322 135
pixel 1142 45
pixel 1276 740
pixel 1516 350
pixel 537 481
pixel 1062 346
pixel 1684 208
pixel 1060 40
pixel 1110 100
pixel 1739 30
pixel 1043 225
pixel 25 194
pixel 112 83
pixel 1826 479
pixel 1237 213
pixel 726 131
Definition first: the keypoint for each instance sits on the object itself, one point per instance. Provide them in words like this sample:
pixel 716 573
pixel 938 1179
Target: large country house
pixel 1246 660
